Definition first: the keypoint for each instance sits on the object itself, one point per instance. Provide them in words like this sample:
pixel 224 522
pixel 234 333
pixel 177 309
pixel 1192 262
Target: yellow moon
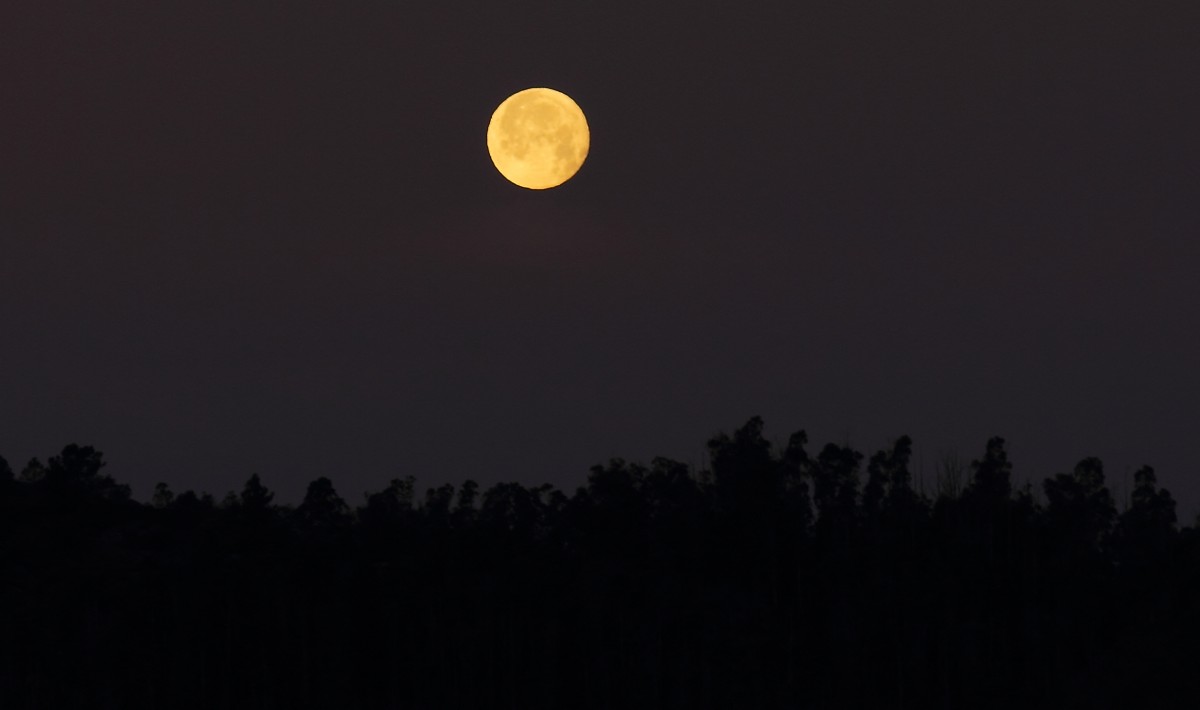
pixel 538 138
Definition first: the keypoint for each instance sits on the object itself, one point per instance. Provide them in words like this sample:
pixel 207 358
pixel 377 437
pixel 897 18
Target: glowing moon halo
pixel 538 138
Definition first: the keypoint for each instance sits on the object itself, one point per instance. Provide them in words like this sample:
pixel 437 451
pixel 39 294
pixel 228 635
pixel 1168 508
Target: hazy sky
pixel 250 236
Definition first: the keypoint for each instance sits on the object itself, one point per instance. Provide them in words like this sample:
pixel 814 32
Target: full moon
pixel 538 138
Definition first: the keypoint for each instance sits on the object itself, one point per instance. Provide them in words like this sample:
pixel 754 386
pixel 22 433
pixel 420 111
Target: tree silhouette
pixel 512 508
pixel 76 463
pixel 744 471
pixel 437 504
pixel 1146 530
pixel 770 581
pixel 987 502
pixel 322 506
pixel 34 472
pixel 163 497
pixel 835 489
pixel 1081 509
pixel 466 512
pixel 877 484
pixel 255 497
pixel 900 491
pixel 890 506
pixel 991 484
pixel 387 509
pixel 795 467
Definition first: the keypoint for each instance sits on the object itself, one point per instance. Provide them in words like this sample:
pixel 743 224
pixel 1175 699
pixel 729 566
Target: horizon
pixel 925 477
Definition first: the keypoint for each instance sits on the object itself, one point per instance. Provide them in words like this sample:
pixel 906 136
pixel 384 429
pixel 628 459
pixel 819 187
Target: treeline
pixel 771 579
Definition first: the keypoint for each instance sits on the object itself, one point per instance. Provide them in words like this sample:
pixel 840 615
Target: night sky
pixel 249 236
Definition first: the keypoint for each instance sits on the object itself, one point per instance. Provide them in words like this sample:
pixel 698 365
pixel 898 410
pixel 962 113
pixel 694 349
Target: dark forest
pixel 769 577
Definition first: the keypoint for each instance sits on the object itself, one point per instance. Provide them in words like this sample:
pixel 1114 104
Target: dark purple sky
pixel 250 236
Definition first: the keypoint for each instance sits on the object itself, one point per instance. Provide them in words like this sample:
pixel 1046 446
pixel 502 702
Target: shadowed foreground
pixel 774 579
